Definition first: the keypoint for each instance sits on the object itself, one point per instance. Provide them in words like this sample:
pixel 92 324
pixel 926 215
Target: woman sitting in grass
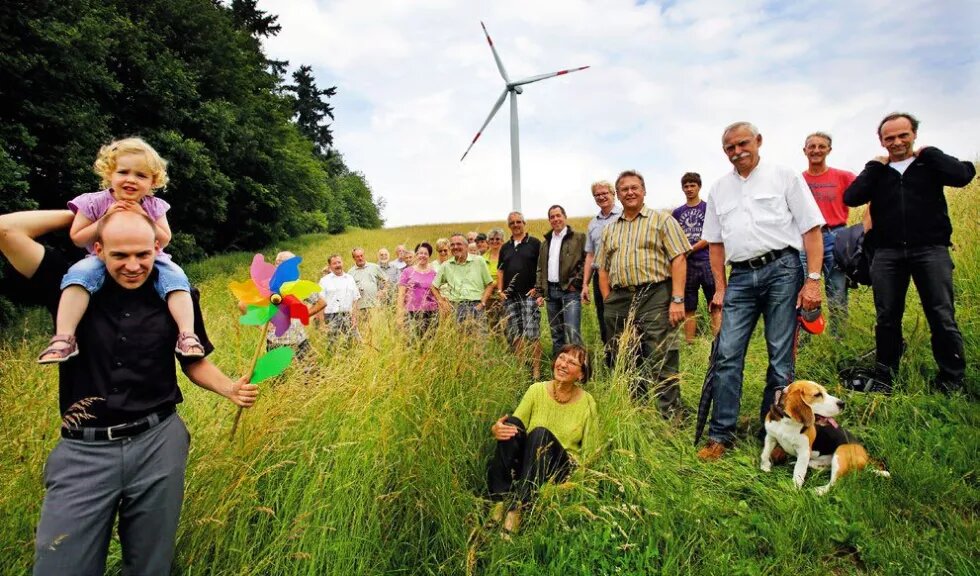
pixel 553 427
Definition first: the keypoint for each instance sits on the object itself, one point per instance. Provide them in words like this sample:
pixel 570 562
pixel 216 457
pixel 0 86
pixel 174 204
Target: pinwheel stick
pixel 251 369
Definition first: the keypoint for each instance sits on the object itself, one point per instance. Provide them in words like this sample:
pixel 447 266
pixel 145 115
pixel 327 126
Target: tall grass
pixel 372 460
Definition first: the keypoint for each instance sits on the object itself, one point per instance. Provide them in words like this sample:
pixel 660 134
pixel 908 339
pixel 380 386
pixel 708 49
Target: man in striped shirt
pixel 642 270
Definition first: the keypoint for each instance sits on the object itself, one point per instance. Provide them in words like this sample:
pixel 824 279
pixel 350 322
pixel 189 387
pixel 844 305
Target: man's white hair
pixel 736 125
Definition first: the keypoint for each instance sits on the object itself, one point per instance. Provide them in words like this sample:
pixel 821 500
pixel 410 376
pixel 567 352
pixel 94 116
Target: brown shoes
pixel 712 451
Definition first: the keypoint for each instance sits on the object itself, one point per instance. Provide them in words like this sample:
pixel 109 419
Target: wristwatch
pixel 813 276
pixel 677 299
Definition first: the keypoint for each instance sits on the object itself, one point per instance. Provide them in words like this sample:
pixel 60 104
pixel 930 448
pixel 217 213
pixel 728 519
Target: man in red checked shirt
pixel 827 185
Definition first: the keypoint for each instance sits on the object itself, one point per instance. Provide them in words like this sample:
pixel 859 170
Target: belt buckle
pixel 108 431
pixel 761 261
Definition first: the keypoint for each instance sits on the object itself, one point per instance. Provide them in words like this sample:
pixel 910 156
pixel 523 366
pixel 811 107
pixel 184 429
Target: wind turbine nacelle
pixel 518 89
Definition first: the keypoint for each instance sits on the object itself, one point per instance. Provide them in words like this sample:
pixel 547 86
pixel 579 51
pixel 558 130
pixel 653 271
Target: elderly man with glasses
pixel 605 198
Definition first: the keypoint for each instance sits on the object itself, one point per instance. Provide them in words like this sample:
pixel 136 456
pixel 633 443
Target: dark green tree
pixel 312 109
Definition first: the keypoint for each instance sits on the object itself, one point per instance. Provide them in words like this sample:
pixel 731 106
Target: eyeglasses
pixel 514 222
pixel 633 188
pixel 496 240
pixel 600 195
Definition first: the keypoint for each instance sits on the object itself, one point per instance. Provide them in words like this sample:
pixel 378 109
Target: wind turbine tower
pixel 513 88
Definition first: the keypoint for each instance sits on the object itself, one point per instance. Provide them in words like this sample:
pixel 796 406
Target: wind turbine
pixel 513 88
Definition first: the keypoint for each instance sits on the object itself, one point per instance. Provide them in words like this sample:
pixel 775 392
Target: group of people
pixel 758 247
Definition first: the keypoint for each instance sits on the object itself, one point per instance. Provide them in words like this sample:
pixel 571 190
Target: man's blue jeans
pixel 835 282
pixel 770 292
pixel 564 316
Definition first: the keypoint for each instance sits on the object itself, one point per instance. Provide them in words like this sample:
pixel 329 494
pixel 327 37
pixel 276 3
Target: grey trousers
pixel 87 483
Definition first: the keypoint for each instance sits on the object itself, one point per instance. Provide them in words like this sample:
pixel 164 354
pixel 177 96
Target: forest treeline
pixel 250 147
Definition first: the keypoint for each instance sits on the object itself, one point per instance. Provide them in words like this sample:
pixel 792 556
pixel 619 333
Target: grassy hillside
pixel 373 460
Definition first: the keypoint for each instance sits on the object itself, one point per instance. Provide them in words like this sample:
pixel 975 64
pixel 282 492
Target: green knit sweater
pixel 574 424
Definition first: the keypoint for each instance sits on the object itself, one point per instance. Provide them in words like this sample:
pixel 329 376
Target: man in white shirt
pixel 340 294
pixel 402 261
pixel 759 217
pixel 559 279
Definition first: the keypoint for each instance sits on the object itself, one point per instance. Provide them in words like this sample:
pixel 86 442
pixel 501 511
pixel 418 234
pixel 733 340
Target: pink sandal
pixel 189 345
pixel 59 354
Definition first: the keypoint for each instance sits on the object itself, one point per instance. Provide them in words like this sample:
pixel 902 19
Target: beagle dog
pixel 801 422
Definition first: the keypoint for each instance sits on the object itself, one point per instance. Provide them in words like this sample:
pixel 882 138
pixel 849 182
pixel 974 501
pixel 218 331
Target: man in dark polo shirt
pixel 123 448
pixel 516 274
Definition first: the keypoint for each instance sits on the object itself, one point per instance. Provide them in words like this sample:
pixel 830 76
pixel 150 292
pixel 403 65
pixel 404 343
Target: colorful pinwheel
pixel 273 295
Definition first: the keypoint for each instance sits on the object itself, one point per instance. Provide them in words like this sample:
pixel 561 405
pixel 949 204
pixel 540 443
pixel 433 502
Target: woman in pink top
pixel 414 297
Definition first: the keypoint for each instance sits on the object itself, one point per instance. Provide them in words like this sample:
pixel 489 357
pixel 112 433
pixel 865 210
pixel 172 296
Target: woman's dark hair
pixel 580 354
pixel 425 245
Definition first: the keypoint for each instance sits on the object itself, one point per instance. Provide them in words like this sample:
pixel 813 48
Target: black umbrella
pixel 707 392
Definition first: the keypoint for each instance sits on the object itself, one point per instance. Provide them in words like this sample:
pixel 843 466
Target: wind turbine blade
pixel 500 65
pixel 496 107
pixel 543 76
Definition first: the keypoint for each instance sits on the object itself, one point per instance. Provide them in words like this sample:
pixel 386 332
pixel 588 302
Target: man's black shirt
pixel 126 342
pixel 520 265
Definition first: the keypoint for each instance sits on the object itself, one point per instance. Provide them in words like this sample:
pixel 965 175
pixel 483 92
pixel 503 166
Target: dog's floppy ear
pixel 797 408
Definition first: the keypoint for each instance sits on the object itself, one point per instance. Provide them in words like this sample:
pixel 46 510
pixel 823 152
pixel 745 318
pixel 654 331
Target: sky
pixel 416 79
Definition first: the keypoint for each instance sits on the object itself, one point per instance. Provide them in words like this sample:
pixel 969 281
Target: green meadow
pixel 371 459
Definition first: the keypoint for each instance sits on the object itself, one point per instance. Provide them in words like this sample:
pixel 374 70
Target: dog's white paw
pixel 798 481
pixel 822 490
pixel 765 466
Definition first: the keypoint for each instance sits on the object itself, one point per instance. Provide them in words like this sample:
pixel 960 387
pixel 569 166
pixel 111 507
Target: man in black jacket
pixel 912 233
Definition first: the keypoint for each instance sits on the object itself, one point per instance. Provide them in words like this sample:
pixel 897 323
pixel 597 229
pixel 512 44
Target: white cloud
pixel 416 79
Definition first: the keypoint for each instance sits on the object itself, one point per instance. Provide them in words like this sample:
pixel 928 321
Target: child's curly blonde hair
pixel 105 162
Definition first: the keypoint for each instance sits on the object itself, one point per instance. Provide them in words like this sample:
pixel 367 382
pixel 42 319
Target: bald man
pixel 129 454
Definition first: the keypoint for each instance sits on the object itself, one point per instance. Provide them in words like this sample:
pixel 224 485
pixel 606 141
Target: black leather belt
pixel 767 258
pixel 831 228
pixel 118 431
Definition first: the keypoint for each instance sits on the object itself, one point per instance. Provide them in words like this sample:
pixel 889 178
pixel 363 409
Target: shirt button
pixel 126 315
pixel 115 390
pixel 118 364
pixel 122 338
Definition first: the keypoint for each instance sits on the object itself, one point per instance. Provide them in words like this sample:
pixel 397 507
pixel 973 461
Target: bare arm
pixel 678 278
pixel 317 307
pixel 699 245
pixel 400 302
pixel 83 230
pixel 716 255
pixel 587 275
pixel 18 231
pixel 163 234
pixel 810 296
pixel 210 377
pixel 487 292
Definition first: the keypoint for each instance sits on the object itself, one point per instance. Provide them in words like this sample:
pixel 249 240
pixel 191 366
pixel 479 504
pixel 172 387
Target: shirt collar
pixel 752 173
pixel 616 211
pixel 645 212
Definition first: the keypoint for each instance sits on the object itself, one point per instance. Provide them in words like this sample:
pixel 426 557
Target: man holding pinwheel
pixel 123 448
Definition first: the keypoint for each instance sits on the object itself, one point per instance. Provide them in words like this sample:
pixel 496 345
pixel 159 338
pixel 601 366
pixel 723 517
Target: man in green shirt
pixel 467 282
